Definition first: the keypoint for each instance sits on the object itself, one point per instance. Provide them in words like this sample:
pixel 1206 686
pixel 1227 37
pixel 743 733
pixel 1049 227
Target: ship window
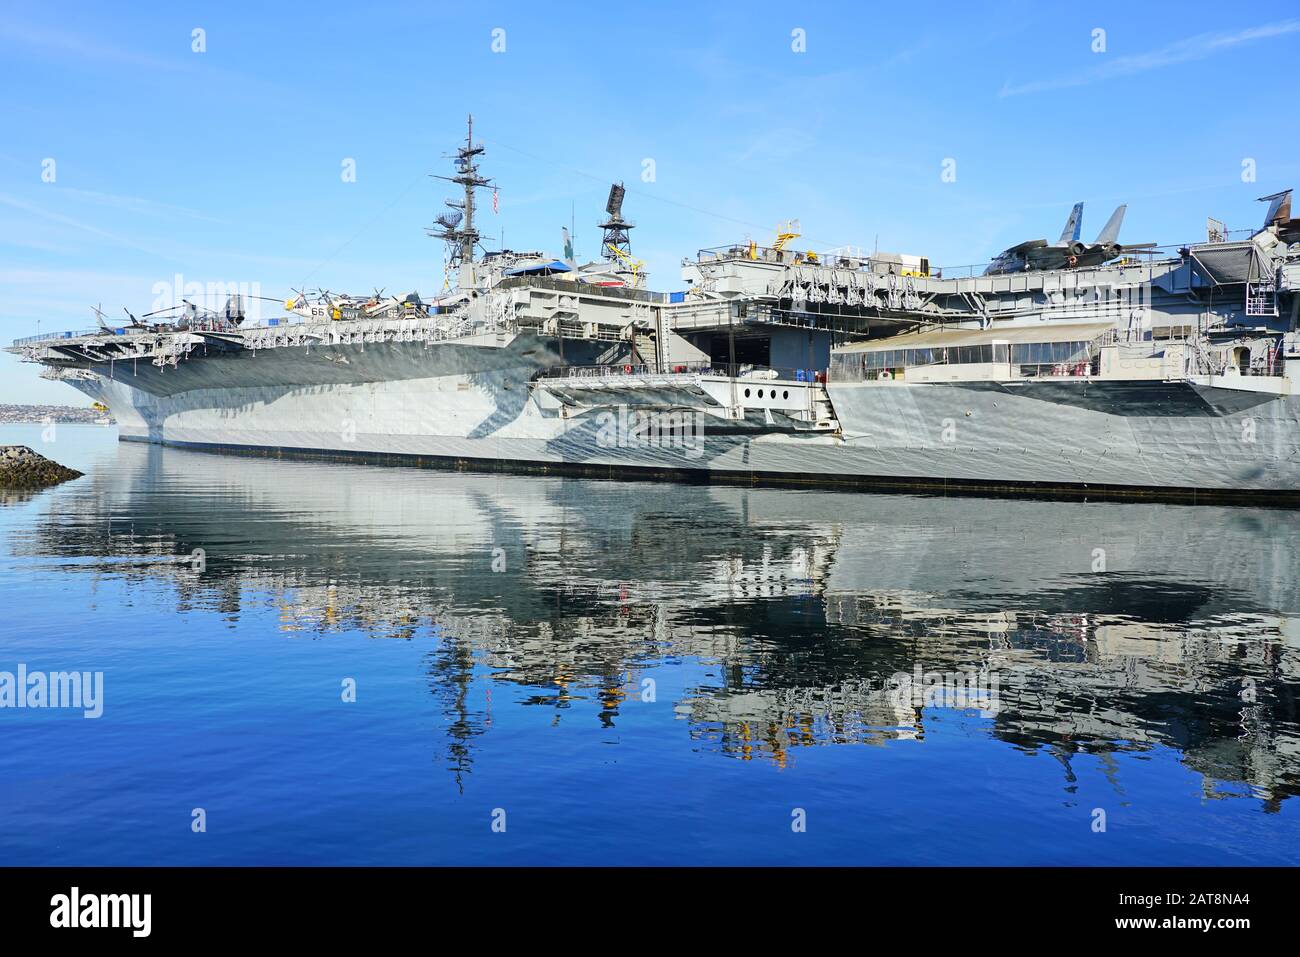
pixel 1031 353
pixel 851 366
pixel 746 393
pixel 785 393
pixel 965 355
pixel 902 358
pixel 760 393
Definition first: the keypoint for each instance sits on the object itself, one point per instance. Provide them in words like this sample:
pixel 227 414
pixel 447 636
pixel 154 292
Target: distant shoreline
pixel 12 414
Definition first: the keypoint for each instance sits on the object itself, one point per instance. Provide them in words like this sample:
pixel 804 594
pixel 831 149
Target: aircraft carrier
pixel 1068 368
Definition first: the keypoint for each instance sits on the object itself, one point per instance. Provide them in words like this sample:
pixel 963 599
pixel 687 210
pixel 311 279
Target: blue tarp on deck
pixel 536 268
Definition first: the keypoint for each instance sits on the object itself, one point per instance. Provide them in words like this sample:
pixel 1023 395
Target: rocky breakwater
pixel 21 468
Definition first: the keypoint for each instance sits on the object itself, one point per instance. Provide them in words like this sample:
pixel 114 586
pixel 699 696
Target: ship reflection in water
pixel 662 671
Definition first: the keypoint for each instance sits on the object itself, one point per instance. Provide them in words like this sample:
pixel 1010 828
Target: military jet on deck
pixel 1279 216
pixel 1068 252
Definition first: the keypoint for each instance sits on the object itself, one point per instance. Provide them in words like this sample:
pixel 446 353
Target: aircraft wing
pixel 1026 246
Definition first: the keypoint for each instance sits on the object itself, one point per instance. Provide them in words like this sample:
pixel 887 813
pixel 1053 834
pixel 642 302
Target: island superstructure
pixel 1165 372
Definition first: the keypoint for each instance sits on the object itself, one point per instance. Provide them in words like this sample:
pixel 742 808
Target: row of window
pixel 898 358
pixel 1027 353
pixel 1030 353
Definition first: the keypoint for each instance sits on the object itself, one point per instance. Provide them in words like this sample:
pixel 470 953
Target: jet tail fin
pixel 1110 232
pixel 1072 225
pixel 1279 209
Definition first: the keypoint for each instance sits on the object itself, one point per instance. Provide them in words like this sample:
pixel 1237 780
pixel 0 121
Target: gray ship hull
pixel 471 404
pixel 1144 436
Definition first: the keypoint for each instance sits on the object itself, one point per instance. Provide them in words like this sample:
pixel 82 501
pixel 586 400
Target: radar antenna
pixel 617 243
pixel 456 227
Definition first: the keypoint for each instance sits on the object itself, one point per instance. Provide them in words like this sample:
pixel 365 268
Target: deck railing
pixel 48 336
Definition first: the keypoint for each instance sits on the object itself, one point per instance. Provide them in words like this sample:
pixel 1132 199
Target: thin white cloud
pixel 61 44
pixel 1182 51
pixel 63 278
pixel 135 204
pixel 59 218
pixel 71 51
pixel 171 252
pixel 28 242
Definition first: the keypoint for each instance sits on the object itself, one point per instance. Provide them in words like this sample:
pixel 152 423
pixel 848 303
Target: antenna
pixel 617 243
pixel 614 205
pixel 456 227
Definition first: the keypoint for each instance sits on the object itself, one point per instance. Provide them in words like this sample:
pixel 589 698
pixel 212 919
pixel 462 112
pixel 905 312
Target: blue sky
pixel 224 166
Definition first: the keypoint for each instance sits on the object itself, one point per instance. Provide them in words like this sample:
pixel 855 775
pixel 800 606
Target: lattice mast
pixel 617 243
pixel 456 227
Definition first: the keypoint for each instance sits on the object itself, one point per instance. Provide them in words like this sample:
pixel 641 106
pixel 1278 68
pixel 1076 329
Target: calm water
pixel 651 674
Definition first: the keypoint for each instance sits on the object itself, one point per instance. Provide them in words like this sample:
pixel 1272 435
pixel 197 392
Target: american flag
pixel 496 204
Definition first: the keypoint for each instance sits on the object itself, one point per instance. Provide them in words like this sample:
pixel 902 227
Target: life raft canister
pixel 627 370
